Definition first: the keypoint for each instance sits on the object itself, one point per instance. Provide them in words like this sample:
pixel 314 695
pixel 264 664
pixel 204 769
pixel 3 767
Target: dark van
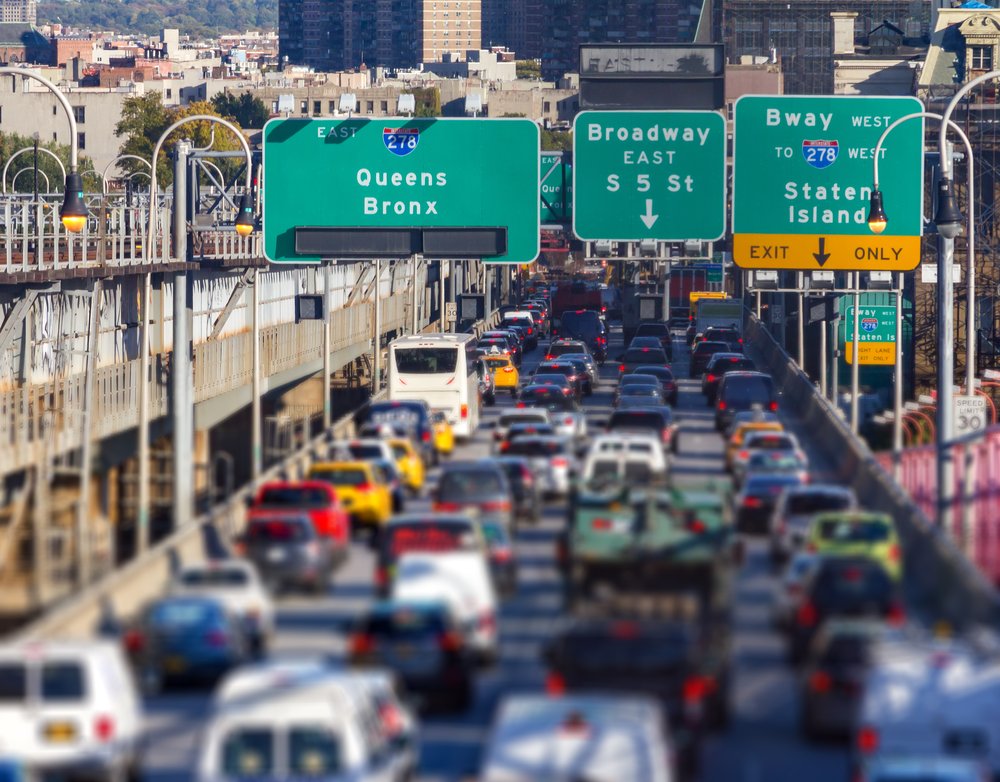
pixel 587 327
pixel 739 391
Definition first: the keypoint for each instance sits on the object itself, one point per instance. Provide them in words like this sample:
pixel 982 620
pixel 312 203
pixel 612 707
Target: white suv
pixel 69 708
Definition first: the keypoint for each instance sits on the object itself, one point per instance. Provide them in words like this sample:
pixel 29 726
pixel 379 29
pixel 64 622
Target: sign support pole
pixel 802 351
pixel 413 301
pixel 757 303
pixel 327 409
pixel 945 382
pixel 855 363
pixel 897 389
pixel 377 336
pixel 822 358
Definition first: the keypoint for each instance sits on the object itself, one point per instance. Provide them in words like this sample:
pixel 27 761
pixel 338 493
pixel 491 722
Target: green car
pixel 627 539
pixel 857 533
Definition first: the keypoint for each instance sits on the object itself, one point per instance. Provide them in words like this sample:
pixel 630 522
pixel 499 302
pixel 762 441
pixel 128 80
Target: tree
pixel 554 140
pixel 428 101
pixel 246 109
pixel 145 118
pixel 528 69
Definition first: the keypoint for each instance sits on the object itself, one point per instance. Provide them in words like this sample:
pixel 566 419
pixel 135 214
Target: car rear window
pixel 556 369
pixel 711 346
pixel 662 373
pixel 771 442
pixel 530 448
pixel 520 430
pixel 63 681
pixel 248 753
pixel 562 349
pixel 638 472
pixel 404 415
pixel 13 683
pixel 294 497
pixel 638 355
pixel 277 531
pixel 638 419
pixel 429 537
pixel 522 418
pixel 341 476
pixel 364 451
pixel 550 379
pixel 215 577
pixel 770 485
pixel 816 503
pixel 640 389
pixel 426 361
pixel 639 380
pixel 847 531
pixel 187 614
pixel 464 484
pixel 313 753
pixel 407 623
pixel 846 650
pixel 757 389
pixel 550 399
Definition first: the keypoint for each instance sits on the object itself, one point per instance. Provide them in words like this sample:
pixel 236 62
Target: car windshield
pixel 341 476
pixel 294 497
pixel 638 419
pixel 747 390
pixel 467 484
pixel 853 531
pixel 509 420
pixel 277 531
pixel 644 355
pixel 817 502
pixel 533 447
pixel 218 577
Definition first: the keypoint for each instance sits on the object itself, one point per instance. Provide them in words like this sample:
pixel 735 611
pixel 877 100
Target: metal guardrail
pixel 940 584
pixel 122 593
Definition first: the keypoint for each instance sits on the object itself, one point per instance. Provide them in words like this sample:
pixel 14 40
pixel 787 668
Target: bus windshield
pixel 426 361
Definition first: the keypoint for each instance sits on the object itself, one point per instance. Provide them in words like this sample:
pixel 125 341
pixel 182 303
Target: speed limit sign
pixel 970 414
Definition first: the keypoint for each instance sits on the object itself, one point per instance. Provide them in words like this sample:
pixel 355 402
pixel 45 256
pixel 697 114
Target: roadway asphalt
pixel 762 743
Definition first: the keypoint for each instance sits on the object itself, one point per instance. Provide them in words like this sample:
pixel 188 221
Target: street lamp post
pixel 949 224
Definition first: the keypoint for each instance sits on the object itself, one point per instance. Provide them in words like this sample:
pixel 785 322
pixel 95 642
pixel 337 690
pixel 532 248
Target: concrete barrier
pixel 939 583
pixel 121 594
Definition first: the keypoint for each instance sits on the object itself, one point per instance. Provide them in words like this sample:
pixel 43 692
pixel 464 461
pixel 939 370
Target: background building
pixel 22 11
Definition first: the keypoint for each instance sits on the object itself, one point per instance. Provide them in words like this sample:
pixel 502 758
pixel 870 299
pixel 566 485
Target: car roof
pixel 341 465
pixel 641 376
pixel 429 518
pixel 854 516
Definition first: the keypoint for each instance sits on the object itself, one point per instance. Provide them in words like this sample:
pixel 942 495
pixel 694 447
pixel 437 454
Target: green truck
pixel 631 540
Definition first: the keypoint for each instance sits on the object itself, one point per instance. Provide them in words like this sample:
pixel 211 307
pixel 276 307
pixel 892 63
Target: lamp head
pixel 245 220
pixel 948 217
pixel 74 212
pixel 877 219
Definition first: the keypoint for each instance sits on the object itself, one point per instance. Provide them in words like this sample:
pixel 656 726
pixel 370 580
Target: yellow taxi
pixel 857 533
pixel 739 437
pixel 360 489
pixel 505 374
pixel 410 465
pixel 443 434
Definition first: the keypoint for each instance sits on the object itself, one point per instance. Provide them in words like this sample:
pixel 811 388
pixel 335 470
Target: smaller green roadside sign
pixel 556 187
pixel 649 175
pixel 876 334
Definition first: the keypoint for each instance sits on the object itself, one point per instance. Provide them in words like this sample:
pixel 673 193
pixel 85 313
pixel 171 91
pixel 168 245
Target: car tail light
pixel 555 684
pixel 426 437
pixel 721 405
pixel 696 526
pixel 381 577
pixel 697 688
pixel 464 412
pixel 752 502
pixel 502 555
pixel 508 370
pixel 504 446
pixel 894 552
pixel 521 404
pixel 560 463
pixel 773 407
pixel 621 367
pixel 820 682
pixel 362 644
pixel 665 435
pixel 500 505
pixel 487 621
pixel 867 740
pixel 807 615
pixel 710 377
pixel 743 455
pixel 134 641
pixel 450 641
pixel 392 718
pixel 363 487
pixel 446 507
pixel 217 639
pixel 896 615
pixel 549 356
pixel 601 524
pixel 530 331
pixel 104 728
pixel 568 421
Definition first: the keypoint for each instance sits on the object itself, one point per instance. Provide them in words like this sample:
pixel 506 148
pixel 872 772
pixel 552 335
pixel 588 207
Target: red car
pixel 315 498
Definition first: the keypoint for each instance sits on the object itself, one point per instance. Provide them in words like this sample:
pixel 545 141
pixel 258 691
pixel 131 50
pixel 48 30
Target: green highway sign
pixel 556 187
pixel 399 173
pixel 649 175
pixel 876 334
pixel 802 179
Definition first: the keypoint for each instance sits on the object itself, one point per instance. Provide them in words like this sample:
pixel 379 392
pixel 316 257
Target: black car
pixel 666 378
pixel 587 327
pixel 530 330
pixel 423 645
pixel 702 352
pixel 550 398
pixel 743 391
pixel 635 379
pixel 555 379
pixel 728 334
pixel 756 501
pixel 580 378
pixel 525 487
pixel 501 338
pixel 842 586
pixel 636 357
pixel 582 370
pixel 659 330
pixel 288 552
pixel 185 638
pixel 718 365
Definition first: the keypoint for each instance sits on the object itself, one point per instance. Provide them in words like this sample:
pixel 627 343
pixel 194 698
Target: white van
pixel 297 719
pixel 69 708
pixel 607 737
pixel 462 580
pixel 633 458
pixel 922 694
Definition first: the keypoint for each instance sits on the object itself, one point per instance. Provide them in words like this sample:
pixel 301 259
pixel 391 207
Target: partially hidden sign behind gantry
pixel 802 180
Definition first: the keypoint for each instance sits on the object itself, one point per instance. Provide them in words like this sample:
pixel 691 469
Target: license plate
pixel 60 732
pixel 276 555
pixel 174 664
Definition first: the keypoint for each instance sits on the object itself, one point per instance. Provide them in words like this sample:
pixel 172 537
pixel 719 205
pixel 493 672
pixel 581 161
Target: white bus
pixel 439 369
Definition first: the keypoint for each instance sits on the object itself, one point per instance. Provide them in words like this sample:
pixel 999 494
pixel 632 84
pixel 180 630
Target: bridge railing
pixel 939 582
